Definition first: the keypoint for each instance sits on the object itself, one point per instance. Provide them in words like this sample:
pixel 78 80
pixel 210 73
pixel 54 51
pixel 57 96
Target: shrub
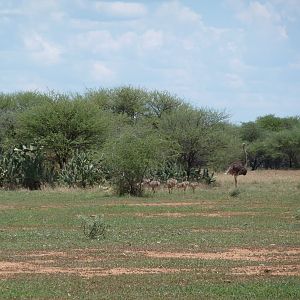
pixel 130 156
pixel 22 166
pixel 94 226
pixel 234 193
pixel 80 171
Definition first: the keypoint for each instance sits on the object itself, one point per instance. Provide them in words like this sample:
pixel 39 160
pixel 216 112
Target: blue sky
pixel 241 56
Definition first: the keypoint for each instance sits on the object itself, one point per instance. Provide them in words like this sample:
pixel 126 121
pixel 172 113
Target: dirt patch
pixel 171 204
pixel 282 270
pixel 218 230
pixel 10 269
pixel 203 214
pixel 232 254
pixel 46 254
pixel 5 207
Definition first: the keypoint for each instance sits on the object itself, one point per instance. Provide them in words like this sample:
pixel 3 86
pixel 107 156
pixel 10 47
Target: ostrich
pixel 153 184
pixel 238 168
pixel 171 183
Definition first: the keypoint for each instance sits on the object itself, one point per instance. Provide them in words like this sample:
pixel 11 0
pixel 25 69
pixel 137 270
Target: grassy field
pixel 206 245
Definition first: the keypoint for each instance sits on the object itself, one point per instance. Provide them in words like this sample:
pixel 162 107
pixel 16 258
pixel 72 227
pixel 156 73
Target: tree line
pixel 125 134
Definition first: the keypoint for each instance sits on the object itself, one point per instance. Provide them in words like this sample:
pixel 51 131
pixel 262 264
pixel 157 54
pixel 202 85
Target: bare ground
pixel 274 261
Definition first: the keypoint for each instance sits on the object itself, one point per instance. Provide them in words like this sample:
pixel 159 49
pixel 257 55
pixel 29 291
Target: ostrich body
pixel 238 168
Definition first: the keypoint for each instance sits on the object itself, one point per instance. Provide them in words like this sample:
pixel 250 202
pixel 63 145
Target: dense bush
pixel 134 133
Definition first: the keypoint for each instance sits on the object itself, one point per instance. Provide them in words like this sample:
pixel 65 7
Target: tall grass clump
pixel 234 193
pixel 94 226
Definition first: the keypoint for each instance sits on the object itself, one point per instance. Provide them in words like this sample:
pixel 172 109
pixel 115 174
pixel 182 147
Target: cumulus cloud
pixel 178 12
pixel 152 39
pixel 102 40
pixel 101 72
pixel 121 8
pixel 42 50
pixel 259 12
pixel 263 17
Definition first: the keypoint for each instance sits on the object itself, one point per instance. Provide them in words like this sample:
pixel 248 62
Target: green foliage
pixel 94 226
pixel 207 178
pixel 32 166
pixel 169 169
pixel 228 150
pixel 272 123
pixel 22 166
pixel 274 142
pixel 11 106
pixel 234 193
pixel 10 170
pixel 287 142
pixel 251 131
pixel 63 126
pixel 131 154
pixel 159 103
pixel 80 171
pixel 196 132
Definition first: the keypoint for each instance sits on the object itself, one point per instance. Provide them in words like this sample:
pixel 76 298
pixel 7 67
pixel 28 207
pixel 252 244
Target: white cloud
pixel 121 9
pixel 152 39
pixel 178 12
pixel 233 81
pixel 282 32
pixel 259 12
pixel 41 50
pixel 37 6
pixel 265 17
pixel 102 40
pixel 100 72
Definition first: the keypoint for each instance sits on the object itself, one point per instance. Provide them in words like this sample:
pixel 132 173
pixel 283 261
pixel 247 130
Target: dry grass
pixel 262 176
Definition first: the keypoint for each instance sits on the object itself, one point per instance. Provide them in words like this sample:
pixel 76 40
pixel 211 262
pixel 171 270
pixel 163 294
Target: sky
pixel 237 56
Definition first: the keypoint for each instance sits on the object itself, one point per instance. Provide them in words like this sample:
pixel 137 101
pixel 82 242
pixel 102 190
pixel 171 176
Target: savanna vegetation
pixel 64 234
pixel 212 244
pixel 123 135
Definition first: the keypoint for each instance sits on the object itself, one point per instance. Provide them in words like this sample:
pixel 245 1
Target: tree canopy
pixel 129 133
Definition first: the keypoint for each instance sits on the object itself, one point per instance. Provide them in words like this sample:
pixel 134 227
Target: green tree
pixel 131 154
pixel 273 123
pixel 63 126
pixel 251 131
pixel 287 142
pixel 11 105
pixel 159 103
pixel 129 101
pixel 197 133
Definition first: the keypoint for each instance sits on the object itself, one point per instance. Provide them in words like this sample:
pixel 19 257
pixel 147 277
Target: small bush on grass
pixel 94 226
pixel 234 193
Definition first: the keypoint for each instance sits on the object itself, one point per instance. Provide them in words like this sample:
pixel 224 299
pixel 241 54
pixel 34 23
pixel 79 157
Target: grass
pixel 41 235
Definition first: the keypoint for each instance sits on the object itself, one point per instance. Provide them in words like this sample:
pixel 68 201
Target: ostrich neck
pixel 246 156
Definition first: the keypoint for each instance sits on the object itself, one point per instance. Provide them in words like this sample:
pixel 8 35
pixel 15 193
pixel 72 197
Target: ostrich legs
pixel 238 168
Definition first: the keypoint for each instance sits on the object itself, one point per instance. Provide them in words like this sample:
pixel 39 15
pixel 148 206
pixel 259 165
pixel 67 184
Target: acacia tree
pixel 287 142
pixel 196 131
pixel 62 126
pixel 130 154
pixel 11 105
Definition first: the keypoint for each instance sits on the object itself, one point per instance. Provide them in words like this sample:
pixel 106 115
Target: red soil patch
pixel 9 269
pixel 232 254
